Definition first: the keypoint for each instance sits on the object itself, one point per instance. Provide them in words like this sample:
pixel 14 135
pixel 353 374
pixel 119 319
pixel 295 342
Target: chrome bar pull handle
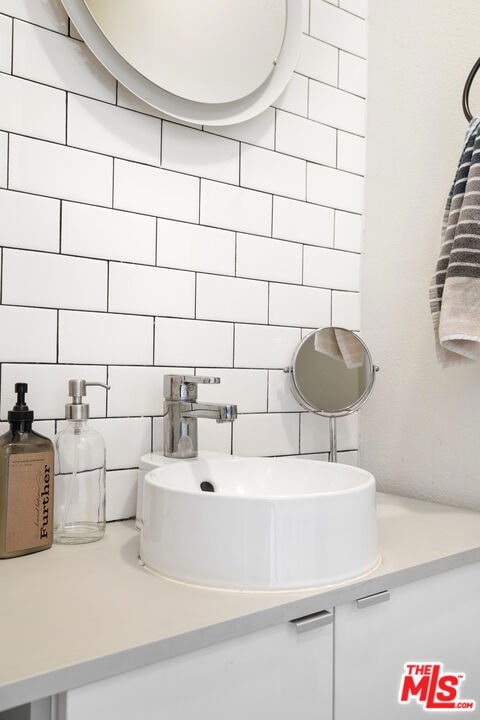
pixel 311 622
pixel 374 599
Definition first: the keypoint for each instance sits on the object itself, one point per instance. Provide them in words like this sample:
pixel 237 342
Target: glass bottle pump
pixel 79 515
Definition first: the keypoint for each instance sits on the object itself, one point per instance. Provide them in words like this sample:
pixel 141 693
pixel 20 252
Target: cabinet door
pixel 278 673
pixel 424 623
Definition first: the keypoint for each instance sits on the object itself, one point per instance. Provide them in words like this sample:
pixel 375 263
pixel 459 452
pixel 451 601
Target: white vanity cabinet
pixel 434 620
pixel 282 672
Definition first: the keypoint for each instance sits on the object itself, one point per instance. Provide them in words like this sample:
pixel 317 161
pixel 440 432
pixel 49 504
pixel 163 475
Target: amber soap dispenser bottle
pixel 26 484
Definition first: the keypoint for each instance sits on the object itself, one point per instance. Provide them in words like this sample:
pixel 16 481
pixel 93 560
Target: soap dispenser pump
pixel 79 515
pixel 26 484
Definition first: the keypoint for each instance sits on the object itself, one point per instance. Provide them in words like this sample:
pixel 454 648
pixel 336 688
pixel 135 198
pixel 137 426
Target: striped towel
pixel 455 287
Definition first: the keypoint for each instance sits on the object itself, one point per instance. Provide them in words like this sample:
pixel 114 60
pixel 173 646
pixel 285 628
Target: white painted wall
pixel 132 244
pixel 420 432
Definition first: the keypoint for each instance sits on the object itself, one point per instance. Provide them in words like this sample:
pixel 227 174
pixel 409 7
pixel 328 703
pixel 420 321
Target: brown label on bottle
pixel 29 501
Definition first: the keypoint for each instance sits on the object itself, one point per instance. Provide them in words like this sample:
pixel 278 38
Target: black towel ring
pixel 466 90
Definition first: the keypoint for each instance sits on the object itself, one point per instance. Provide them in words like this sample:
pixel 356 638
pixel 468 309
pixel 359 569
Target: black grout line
pixel 184 222
pixel 66 118
pixel 113 183
pixel 8 163
pixel 57 345
pixel 240 154
pixel 60 229
pixel 143 213
pixel 235 259
pixel 162 133
pixel 42 27
pixel 156 246
pixel 336 47
pixel 195 289
pixel 154 165
pixel 154 332
pixel 332 87
pixel 200 187
pixel 338 69
pixel 176 317
pixel 299 433
pixel 187 269
pixel 348 12
pixel 107 391
pixel 11 49
pixel 256 280
pixel 275 120
pixel 107 299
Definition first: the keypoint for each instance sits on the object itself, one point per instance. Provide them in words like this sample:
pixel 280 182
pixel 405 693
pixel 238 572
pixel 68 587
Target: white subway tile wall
pixel 133 245
pixel 341 29
pixel 351 153
pixel 5 44
pixel 31 222
pixel 294 98
pixel 32 109
pixel 199 153
pixel 318 60
pixel 98 232
pixel 259 130
pixel 45 168
pixel 353 74
pixel 195 247
pixel 109 130
pixel 357 7
pixel 302 222
pixel 52 280
pixel 272 172
pixel 50 14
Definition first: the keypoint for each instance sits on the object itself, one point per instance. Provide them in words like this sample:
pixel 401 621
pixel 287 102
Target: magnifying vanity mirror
pixel 214 62
pixel 332 374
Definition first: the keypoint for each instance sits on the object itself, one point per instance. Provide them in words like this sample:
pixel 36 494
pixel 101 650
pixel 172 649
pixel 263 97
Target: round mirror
pixel 332 372
pixel 213 62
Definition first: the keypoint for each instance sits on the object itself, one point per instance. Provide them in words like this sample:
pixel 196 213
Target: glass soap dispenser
pixel 79 508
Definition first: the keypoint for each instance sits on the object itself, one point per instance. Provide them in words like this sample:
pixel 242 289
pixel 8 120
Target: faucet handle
pixel 184 387
pixel 203 379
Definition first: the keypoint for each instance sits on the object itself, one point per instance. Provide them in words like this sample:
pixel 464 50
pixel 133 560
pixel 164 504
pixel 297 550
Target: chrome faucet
pixel 181 410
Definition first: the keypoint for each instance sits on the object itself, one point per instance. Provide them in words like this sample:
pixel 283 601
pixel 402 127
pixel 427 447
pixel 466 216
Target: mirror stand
pixel 332 422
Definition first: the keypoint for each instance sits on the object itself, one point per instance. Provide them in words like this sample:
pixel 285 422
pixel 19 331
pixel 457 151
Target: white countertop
pixel 76 614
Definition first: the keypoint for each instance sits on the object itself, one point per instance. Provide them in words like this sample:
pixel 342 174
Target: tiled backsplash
pixel 135 246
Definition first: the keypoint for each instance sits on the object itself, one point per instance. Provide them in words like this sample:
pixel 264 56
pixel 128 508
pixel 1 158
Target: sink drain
pixel 207 486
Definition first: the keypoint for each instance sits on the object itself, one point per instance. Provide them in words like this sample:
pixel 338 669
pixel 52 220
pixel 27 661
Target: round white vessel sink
pixel 259 523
